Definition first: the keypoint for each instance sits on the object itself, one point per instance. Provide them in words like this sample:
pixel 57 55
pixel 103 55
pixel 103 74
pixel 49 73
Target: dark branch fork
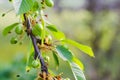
pixel 34 42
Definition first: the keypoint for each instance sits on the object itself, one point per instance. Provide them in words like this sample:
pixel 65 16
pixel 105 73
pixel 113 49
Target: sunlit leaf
pixel 22 6
pixel 59 35
pixel 67 55
pixel 36 6
pixel 82 47
pixel 75 64
pixel 9 28
pixel 52 72
pixel 77 72
pixel 79 63
pixel 52 28
pixel 56 33
pixel 64 53
pixel 56 59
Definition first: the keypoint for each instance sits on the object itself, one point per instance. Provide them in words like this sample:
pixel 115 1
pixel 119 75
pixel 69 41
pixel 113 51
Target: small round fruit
pixel 35 64
pixel 49 3
pixel 18 30
pixel 13 40
pixel 46 58
pixel 27 68
pixel 37 29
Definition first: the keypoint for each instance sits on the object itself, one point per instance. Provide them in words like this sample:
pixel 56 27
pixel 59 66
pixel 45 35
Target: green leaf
pixel 9 28
pixel 36 6
pixel 56 59
pixel 67 55
pixel 83 48
pixel 52 72
pixel 30 56
pixel 37 29
pixel 22 6
pixel 77 72
pixel 52 28
pixel 79 63
pixel 59 35
pixel 30 59
pixel 75 64
pixel 64 53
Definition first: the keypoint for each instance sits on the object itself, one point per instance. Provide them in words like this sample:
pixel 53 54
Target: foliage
pixel 44 37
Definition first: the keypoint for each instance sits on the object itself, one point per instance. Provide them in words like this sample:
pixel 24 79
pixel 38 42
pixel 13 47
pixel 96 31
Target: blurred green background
pixel 95 23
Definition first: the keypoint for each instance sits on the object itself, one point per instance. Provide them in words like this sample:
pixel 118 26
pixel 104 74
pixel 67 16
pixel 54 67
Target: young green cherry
pixel 35 64
pixel 49 3
pixel 19 30
pixel 13 40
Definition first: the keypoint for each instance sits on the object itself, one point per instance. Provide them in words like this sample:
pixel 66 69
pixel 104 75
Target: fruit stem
pixel 43 24
pixel 34 42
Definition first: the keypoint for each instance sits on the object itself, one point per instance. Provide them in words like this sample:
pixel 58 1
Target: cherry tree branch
pixel 34 42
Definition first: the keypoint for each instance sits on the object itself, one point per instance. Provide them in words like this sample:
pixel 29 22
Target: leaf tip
pixel 92 53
